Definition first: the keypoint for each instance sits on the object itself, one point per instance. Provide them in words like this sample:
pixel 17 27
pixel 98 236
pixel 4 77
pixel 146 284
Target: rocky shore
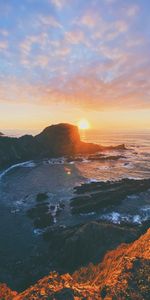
pixel 76 246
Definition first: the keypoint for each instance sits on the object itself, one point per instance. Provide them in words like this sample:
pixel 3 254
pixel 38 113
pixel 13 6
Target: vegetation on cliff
pixel 123 274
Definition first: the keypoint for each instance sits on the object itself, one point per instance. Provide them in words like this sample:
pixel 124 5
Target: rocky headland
pixel 54 141
pixel 123 274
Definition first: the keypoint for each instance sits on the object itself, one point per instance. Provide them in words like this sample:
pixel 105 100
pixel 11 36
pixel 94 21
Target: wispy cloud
pixel 132 10
pixel 4 32
pixel 49 20
pixel 75 37
pixel 3 45
pixel 59 4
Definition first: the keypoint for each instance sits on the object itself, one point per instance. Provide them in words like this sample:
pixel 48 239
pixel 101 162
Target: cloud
pixel 110 1
pixel 4 32
pixel 113 84
pixel 3 45
pixel 132 10
pixel 27 44
pixel 49 20
pixel 59 4
pixel 75 37
pixel 89 19
pixel 100 29
pixel 121 26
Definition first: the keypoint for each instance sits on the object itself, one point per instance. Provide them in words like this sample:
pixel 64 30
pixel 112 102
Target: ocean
pixel 20 184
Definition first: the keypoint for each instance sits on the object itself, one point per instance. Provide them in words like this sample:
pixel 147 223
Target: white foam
pixel 134 178
pixel 146 208
pixel 38 231
pixel 117 218
pixel 30 164
pixel 88 214
pixel 14 211
pixel 27 164
pixel 137 219
pixel 56 161
pixel 92 180
pixel 114 217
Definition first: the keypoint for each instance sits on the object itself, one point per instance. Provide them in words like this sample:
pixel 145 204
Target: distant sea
pixel 137 157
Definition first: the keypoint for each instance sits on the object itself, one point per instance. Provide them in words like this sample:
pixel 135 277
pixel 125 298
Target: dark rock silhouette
pixel 54 141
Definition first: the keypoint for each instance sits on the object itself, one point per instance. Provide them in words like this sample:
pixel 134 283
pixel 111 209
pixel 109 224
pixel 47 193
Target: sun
pixel 84 124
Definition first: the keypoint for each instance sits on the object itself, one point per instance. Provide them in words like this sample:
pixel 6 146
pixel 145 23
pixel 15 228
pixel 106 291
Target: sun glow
pixel 84 124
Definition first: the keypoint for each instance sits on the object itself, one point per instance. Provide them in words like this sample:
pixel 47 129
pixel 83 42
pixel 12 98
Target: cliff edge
pixel 123 274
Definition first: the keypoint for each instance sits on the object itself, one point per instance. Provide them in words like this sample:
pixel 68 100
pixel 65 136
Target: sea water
pixel 20 184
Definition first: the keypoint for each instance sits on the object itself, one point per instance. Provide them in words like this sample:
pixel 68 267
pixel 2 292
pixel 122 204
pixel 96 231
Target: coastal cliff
pixel 54 141
pixel 123 274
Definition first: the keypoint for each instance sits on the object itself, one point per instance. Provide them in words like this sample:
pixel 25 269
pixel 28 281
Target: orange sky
pixel 33 118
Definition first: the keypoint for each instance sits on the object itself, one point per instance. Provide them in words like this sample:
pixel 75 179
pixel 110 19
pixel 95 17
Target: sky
pixel 64 60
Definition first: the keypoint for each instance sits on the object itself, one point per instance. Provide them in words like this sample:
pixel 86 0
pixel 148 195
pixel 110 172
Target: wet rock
pixel 97 196
pixel 61 205
pixel 41 213
pixel 105 158
pixel 43 221
pixel 69 160
pixel 41 197
pixel 52 207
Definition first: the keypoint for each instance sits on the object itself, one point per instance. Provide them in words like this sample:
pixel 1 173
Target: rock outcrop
pixel 54 141
pixel 123 274
pixel 96 196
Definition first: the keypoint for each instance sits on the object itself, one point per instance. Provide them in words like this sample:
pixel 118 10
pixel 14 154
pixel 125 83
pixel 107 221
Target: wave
pixel 146 209
pixel 91 180
pixel 56 161
pixel 118 218
pixel 88 214
pixel 27 164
